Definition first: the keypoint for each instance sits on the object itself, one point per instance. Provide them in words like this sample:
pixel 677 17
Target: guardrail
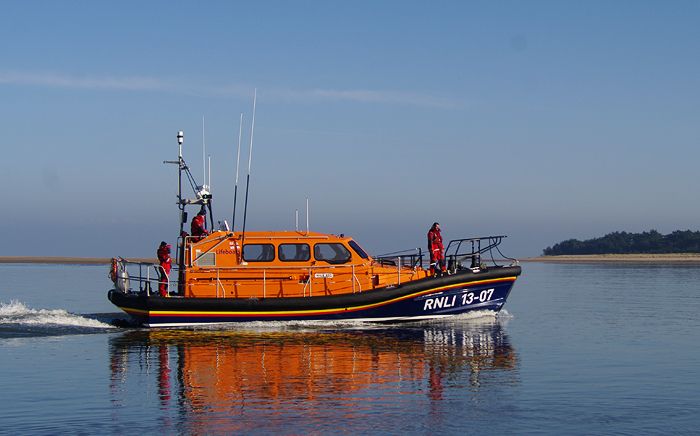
pixel 308 276
pixel 146 284
pixel 412 258
pixel 147 275
pixel 473 250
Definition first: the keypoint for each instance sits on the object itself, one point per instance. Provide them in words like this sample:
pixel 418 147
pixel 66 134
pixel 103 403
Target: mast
pixel 235 189
pixel 180 163
pixel 180 250
pixel 203 198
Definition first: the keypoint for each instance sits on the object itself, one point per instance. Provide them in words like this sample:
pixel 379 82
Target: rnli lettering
pixel 323 275
pixel 440 302
pixel 452 300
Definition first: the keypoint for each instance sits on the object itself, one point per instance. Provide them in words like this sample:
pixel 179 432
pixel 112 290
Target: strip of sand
pixel 68 260
pixel 667 258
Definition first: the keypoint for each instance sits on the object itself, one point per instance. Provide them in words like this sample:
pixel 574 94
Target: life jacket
pixel 434 241
pixel 164 258
pixel 197 227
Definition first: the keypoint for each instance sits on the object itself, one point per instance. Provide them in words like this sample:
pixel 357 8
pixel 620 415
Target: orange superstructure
pixel 284 264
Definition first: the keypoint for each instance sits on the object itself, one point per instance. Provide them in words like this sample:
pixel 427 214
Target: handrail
pixel 264 269
pixel 192 245
pixel 455 253
pixel 322 237
pixel 493 241
pixel 279 267
pixel 416 259
pixel 145 283
pixel 359 285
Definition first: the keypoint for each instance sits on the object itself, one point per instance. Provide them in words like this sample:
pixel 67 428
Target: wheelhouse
pixel 282 264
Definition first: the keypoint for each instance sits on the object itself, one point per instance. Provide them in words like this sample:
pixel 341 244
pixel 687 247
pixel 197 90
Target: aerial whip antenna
pixel 204 158
pixel 235 189
pixel 250 155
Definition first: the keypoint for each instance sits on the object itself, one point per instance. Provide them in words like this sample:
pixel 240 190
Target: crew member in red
pixel 197 228
pixel 165 263
pixel 437 257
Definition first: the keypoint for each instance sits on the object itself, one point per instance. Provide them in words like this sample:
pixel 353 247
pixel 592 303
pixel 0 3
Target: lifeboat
pixel 227 276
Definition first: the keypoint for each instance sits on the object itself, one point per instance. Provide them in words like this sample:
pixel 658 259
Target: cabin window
pixel 258 252
pixel 332 253
pixel 360 252
pixel 294 252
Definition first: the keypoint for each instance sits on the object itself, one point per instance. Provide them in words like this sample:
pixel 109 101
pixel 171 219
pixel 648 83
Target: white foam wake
pixel 504 314
pixel 16 313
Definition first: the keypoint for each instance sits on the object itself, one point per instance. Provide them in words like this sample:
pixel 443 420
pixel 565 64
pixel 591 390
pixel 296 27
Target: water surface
pixel 579 349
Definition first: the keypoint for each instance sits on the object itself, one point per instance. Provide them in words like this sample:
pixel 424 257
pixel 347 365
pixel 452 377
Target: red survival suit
pixel 437 258
pixel 197 228
pixel 166 263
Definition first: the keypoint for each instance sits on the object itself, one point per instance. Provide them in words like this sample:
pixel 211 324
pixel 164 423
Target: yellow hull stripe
pixel 308 312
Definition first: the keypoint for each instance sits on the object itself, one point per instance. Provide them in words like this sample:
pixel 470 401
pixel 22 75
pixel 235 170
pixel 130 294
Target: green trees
pixel 630 243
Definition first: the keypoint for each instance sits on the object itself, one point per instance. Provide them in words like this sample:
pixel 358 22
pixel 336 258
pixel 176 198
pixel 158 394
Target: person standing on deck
pixel 197 228
pixel 437 257
pixel 165 263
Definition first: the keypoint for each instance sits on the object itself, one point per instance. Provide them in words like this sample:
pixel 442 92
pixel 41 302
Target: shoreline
pixel 68 260
pixel 665 258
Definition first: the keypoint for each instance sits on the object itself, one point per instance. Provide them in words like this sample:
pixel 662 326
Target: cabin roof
pixel 281 236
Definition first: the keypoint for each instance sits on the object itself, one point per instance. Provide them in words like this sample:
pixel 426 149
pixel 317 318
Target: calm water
pixel 580 349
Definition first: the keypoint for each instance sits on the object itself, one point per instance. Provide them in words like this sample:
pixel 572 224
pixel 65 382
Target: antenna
pixel 297 220
pixel 307 217
pixel 250 156
pixel 235 189
pixel 204 157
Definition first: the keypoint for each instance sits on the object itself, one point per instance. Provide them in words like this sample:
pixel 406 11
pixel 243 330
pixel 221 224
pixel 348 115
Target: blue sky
pixel 542 121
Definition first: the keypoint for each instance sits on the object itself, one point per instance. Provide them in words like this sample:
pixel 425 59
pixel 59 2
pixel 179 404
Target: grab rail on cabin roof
pixel 194 241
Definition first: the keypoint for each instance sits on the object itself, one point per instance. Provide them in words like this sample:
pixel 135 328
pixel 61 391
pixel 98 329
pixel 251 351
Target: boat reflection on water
pixel 213 381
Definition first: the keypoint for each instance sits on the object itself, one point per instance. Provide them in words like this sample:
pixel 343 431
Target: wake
pixel 16 319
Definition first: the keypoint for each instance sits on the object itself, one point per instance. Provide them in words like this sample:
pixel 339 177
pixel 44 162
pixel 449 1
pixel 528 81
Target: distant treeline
pixel 651 242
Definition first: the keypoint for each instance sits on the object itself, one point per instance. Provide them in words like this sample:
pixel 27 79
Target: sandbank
pixel 68 260
pixel 682 258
